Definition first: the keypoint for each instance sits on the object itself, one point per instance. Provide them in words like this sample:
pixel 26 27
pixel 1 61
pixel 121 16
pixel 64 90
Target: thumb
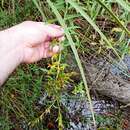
pixel 54 31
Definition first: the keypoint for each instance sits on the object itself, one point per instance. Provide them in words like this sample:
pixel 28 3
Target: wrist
pixel 9 44
pixel 8 63
pixel 8 40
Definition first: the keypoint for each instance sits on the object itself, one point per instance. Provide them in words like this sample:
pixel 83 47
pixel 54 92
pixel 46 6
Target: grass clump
pixel 49 79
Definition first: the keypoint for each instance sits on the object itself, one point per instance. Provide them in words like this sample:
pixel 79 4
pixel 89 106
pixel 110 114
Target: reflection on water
pixel 119 70
pixel 79 114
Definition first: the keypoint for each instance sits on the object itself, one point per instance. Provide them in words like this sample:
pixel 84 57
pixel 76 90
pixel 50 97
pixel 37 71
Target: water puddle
pixel 79 114
pixel 122 69
pixel 107 111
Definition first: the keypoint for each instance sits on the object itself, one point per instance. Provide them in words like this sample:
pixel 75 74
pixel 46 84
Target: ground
pixel 51 94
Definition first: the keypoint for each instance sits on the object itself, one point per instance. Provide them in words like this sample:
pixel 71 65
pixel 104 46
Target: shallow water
pixel 79 114
pixel 122 69
pixel 79 107
pixel 106 110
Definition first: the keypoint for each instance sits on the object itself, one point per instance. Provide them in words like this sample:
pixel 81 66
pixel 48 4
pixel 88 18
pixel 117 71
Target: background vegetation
pixel 93 27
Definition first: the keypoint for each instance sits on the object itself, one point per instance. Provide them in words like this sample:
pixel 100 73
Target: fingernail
pixel 62 29
pixel 62 38
pixel 61 48
pixel 56 49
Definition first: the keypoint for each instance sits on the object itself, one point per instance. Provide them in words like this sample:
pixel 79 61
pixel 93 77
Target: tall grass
pixel 24 88
pixel 124 4
pixel 92 23
pixel 40 9
pixel 114 16
pixel 90 20
pixel 72 44
pixel 80 10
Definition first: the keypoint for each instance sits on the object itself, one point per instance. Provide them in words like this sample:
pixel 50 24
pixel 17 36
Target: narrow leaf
pixel 72 44
pixel 85 15
pixel 125 5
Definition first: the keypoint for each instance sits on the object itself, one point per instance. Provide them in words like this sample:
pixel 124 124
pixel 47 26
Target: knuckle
pixel 27 22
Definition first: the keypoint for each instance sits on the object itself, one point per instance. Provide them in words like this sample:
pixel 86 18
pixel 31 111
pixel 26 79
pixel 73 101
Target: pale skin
pixel 27 42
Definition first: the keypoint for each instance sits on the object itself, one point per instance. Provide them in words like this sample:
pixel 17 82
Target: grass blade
pixel 114 16
pixel 71 42
pixel 83 13
pixel 124 4
pixel 40 10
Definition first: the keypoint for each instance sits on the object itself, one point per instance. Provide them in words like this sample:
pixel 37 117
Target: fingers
pixel 39 39
pixel 61 38
pixel 34 33
pixel 52 30
pixel 55 26
pixel 56 49
pixel 33 54
pixel 50 51
pixel 37 53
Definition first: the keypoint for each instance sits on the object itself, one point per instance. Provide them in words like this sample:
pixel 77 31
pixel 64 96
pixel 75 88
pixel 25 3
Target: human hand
pixel 32 39
pixel 27 42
